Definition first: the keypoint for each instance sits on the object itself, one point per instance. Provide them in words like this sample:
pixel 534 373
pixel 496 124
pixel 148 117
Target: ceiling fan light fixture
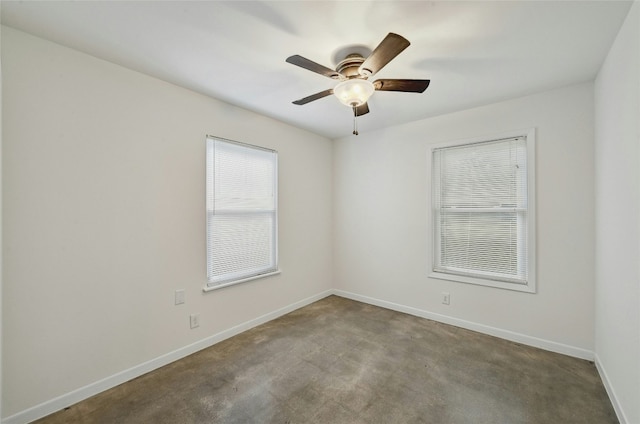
pixel 354 92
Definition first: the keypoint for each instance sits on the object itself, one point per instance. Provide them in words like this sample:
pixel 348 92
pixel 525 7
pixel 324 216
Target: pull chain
pixel 355 120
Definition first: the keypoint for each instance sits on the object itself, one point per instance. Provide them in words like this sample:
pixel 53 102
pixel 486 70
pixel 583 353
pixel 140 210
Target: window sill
pixel 208 288
pixel 526 288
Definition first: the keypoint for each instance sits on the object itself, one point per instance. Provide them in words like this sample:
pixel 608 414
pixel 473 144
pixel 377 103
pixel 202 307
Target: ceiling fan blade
pixel 406 85
pixel 388 48
pixel 312 66
pixel 313 97
pixel 363 109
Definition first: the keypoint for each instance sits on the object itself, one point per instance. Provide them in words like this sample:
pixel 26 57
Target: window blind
pixel 241 211
pixel 480 206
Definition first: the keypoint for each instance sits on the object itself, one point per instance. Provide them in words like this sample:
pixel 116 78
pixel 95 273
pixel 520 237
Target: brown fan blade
pixel 313 97
pixel 312 66
pixel 406 85
pixel 363 109
pixel 390 47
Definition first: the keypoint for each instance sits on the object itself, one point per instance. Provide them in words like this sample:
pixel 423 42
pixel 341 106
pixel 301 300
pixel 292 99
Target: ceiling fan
pixel 353 72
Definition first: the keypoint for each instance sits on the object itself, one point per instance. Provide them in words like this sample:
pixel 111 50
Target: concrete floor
pixel 340 361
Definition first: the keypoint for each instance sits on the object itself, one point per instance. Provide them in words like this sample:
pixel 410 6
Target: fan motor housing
pixel 349 67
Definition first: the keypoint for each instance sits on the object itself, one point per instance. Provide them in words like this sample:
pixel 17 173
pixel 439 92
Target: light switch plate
pixel 179 297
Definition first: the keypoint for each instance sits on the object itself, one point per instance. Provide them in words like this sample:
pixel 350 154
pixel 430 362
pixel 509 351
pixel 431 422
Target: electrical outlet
pixel 446 298
pixel 195 320
pixel 179 298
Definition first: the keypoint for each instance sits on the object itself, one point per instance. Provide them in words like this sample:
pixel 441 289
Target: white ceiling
pixel 474 52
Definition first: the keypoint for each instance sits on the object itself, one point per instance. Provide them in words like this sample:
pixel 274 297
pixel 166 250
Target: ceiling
pixel 474 52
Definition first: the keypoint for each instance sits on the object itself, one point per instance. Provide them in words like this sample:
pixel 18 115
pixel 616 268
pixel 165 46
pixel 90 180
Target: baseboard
pixel 92 389
pixel 612 393
pixel 480 328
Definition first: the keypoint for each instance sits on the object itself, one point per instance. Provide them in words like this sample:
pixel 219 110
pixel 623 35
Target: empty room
pixel 320 212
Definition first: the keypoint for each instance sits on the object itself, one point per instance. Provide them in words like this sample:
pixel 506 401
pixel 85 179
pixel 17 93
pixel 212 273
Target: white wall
pixel 380 221
pixel 1 268
pixel 104 217
pixel 617 147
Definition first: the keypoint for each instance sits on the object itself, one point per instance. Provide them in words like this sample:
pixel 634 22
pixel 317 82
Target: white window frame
pixel 246 274
pixel 530 286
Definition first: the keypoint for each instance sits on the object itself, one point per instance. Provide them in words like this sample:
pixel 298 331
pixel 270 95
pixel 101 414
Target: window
pixel 482 203
pixel 242 219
